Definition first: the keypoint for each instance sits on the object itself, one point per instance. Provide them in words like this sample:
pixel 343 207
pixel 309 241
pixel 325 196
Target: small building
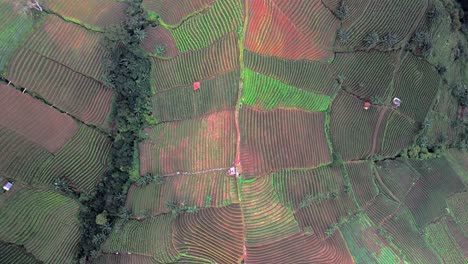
pixel 367 105
pixel 233 171
pixel 196 86
pixel 7 186
pixel 396 102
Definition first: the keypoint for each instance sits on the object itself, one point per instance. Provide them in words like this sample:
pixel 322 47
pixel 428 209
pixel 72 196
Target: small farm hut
pixel 196 86
pixel 7 186
pixel 367 105
pixel 233 171
pixel 396 102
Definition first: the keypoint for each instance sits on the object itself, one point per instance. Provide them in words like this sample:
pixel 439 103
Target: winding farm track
pixel 236 118
pixel 377 129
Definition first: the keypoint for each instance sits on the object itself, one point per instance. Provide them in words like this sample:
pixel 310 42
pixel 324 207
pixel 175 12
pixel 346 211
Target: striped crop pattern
pixel 151 237
pixel 97 13
pixel 82 161
pixel 214 234
pixel 416 85
pixel 266 218
pixel 307 75
pixel 397 176
pixel 274 140
pixel 197 65
pixel 426 200
pixel 201 31
pixel 273 24
pixel 382 17
pixel 211 189
pixel 45 216
pixel 366 74
pixel 215 94
pixel 439 237
pixel 399 133
pixel 407 238
pixel 293 186
pixel 159 38
pixel 193 145
pixel 362 181
pixel 15 27
pixel 64 66
pixel 21 158
pixel 351 127
pixel 267 93
pixel 15 254
pixel 300 248
pixel 173 12
pixel 34 120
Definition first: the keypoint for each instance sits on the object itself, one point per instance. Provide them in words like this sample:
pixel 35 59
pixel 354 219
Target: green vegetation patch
pixel 200 31
pixel 15 26
pixel 364 244
pixel 151 237
pixel 438 236
pixel 268 93
pixel 44 222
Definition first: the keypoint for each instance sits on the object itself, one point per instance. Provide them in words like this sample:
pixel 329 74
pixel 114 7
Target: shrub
pixel 343 36
pixel 342 11
pixel 371 40
pixel 390 40
pixel 460 91
pixel 160 50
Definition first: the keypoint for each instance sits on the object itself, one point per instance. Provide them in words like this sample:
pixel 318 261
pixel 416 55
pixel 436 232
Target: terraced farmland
pixel 233 131
pixel 38 216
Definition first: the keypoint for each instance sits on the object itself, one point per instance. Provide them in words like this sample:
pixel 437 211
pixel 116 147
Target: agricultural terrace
pixel 64 66
pixel 95 15
pixel 40 221
pixel 262 141
pixel 51 144
pixel 233 131
pixel 54 123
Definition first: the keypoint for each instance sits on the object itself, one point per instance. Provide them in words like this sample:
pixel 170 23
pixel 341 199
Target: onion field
pixel 259 131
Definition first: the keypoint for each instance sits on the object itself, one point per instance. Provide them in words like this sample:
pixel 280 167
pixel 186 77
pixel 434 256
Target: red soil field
pixel 160 37
pixel 214 234
pixel 194 145
pixel 172 12
pixel 69 44
pixel 75 93
pixel 279 139
pixel 34 120
pixel 273 24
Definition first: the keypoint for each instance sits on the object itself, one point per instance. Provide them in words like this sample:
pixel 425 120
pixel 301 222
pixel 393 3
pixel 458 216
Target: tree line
pixel 128 73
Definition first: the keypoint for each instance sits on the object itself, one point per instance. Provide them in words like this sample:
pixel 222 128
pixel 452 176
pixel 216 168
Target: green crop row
pixel 81 162
pixel 268 93
pixel 44 216
pixel 201 31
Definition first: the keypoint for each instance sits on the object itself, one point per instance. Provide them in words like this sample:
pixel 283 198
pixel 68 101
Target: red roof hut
pixel 196 86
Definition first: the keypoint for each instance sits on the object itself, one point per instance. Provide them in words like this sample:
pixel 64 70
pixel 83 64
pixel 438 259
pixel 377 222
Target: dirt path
pixel 377 129
pixel 236 116
pixel 386 189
